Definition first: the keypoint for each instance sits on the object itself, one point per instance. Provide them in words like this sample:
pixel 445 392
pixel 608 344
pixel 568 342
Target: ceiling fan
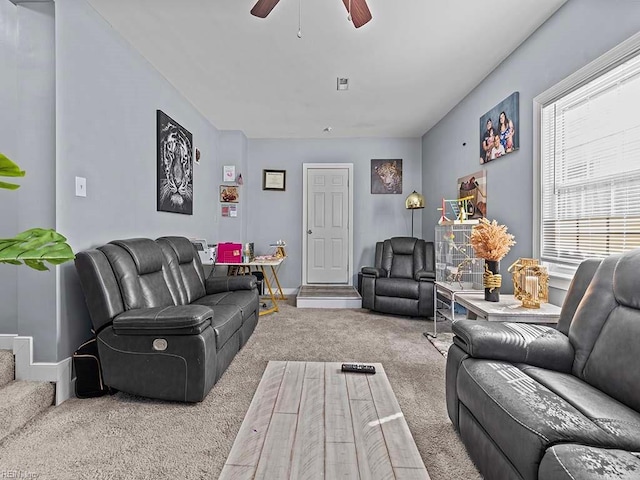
pixel 358 10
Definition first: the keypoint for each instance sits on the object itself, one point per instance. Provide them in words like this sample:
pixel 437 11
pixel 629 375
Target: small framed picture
pixel 229 173
pixel 229 194
pixel 274 180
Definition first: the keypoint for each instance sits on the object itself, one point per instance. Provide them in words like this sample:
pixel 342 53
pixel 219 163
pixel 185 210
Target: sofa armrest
pixel 230 283
pixel 374 272
pixel 536 345
pixel 174 320
pixel 425 276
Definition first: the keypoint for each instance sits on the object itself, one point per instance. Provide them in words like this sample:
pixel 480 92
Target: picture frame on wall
pixel 174 166
pixel 474 188
pixel 229 173
pixel 386 176
pixel 274 180
pixel 499 132
pixel 229 194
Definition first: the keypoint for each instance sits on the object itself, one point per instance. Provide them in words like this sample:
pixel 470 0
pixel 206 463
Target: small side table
pixel 508 309
pixel 449 291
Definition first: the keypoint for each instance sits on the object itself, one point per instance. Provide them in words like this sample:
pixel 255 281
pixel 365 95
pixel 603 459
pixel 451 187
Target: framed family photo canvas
pixel 499 132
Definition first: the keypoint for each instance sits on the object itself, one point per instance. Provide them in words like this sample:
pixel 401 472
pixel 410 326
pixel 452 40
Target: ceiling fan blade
pixel 262 8
pixel 360 13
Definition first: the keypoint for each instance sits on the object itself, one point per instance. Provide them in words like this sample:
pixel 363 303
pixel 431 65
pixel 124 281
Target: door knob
pixel 309 232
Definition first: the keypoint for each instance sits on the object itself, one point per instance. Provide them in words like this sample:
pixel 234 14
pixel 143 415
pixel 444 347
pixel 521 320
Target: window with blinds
pixel 590 168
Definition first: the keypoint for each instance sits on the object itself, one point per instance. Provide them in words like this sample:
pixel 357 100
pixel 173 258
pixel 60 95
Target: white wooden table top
pixel 508 308
pixel 273 262
pixel 308 420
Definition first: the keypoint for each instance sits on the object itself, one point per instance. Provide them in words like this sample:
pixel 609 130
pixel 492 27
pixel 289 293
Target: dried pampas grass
pixel 490 240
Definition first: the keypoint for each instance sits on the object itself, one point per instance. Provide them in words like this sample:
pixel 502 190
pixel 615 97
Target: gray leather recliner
pixel 402 280
pixel 532 402
pixel 163 330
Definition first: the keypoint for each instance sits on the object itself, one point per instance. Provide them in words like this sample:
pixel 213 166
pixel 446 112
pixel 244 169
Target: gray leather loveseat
pixel 163 330
pixel 532 402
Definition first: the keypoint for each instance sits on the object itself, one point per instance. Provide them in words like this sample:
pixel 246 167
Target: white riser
pixel 319 302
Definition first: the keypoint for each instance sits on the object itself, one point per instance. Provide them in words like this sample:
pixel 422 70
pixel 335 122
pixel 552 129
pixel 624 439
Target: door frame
pixel 305 171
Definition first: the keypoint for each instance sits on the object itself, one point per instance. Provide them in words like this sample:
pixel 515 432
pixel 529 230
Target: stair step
pixel 7 367
pixel 20 401
pixel 328 296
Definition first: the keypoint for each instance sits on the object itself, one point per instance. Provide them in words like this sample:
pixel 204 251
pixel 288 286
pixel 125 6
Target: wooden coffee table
pixel 308 420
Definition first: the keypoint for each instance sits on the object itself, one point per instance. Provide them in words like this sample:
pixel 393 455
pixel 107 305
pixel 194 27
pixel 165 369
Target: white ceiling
pixel 407 67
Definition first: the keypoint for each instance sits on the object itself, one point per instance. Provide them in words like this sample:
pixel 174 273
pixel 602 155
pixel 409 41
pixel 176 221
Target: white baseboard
pixel 26 369
pixel 6 341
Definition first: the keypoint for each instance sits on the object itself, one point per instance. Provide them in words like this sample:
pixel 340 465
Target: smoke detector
pixel 343 83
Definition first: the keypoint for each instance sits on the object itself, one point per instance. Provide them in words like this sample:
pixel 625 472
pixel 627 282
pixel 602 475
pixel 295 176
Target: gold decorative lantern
pixel 530 282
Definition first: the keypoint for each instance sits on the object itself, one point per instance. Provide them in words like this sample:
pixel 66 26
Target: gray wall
pixel 27 135
pixel 37 301
pixel 275 215
pixel 8 146
pixel 578 33
pixel 233 151
pixel 107 96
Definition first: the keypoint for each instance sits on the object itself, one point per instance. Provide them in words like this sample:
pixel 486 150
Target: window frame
pixel 560 275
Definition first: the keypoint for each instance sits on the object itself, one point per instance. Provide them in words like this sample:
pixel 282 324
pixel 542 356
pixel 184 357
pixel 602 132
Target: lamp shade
pixel 413 201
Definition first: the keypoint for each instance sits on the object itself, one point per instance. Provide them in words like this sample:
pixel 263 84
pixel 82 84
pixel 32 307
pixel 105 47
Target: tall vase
pixel 492 280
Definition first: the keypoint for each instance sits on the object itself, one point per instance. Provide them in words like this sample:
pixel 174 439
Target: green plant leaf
pixel 9 186
pixel 9 169
pixel 34 247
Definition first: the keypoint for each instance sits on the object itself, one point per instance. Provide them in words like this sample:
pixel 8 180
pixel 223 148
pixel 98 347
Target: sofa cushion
pixel 619 421
pixel 606 329
pixel 592 313
pixel 522 416
pixel 226 321
pixel 139 268
pixel 571 462
pixel 144 253
pixel 185 268
pixel 398 287
pixel 246 300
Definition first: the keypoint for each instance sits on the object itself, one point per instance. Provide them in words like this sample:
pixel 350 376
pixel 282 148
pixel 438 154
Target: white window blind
pixel 590 168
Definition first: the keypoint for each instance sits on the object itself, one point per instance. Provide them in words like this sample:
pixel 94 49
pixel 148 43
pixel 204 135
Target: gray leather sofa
pixel 533 402
pixel 163 330
pixel 402 280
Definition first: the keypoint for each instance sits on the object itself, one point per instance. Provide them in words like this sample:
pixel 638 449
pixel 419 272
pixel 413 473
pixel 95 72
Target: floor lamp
pixel 414 202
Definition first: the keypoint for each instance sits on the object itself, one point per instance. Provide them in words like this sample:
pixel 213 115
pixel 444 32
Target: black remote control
pixel 358 368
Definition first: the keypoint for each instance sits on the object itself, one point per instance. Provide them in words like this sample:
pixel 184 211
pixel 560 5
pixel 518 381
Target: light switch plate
pixel 81 187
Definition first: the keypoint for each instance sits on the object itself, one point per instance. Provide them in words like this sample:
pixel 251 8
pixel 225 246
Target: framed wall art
pixel 499 132
pixel 229 173
pixel 274 180
pixel 229 194
pixel 386 176
pixel 174 166
pixel 474 186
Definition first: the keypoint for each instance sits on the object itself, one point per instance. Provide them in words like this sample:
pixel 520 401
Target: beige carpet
pixel 126 437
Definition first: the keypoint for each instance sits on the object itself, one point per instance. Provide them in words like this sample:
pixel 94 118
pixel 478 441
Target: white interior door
pixel 327 229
